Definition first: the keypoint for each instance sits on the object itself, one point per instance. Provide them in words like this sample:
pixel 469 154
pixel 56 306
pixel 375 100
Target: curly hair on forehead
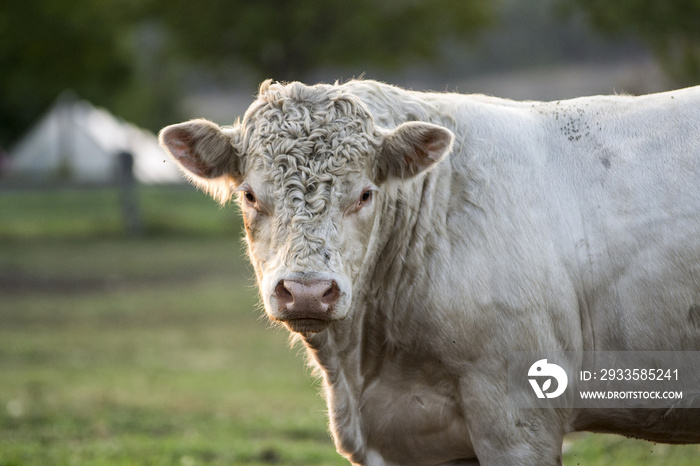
pixel 276 92
pixel 322 127
pixel 296 100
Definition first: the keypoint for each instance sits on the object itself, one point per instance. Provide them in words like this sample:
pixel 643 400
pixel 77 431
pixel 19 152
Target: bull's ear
pixel 207 155
pixel 414 147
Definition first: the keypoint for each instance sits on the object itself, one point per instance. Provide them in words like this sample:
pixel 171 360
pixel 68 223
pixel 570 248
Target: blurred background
pixel 129 326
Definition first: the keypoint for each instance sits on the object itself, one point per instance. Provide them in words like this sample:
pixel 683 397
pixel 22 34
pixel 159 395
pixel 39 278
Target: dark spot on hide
pixel 531 426
pixel 694 315
pixel 605 160
pixel 419 401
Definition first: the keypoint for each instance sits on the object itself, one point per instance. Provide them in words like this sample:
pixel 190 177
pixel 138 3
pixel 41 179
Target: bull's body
pixel 571 226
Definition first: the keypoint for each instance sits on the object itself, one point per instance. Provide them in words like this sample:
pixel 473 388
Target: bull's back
pixel 631 166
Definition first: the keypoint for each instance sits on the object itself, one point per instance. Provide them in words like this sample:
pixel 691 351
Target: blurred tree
pixel 87 46
pixel 132 56
pixel 49 46
pixel 670 27
pixel 287 40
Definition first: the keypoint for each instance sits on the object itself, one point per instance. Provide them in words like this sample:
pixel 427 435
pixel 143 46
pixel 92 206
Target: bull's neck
pixel 405 232
pixel 404 239
pixel 351 352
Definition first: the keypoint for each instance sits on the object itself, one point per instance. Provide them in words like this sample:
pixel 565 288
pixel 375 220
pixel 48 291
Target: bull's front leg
pixel 515 439
pixel 503 435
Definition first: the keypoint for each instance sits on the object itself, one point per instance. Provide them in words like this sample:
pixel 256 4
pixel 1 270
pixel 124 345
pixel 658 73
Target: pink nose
pixel 314 299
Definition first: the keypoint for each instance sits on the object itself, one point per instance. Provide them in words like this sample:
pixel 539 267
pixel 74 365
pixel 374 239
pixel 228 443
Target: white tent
pixel 76 141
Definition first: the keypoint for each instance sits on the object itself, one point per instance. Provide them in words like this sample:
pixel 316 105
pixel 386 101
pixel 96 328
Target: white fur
pixel 571 225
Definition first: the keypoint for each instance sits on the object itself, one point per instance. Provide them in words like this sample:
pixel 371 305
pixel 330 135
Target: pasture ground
pixel 152 351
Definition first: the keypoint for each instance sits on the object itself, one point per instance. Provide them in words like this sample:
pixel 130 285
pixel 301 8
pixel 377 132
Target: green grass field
pixel 153 351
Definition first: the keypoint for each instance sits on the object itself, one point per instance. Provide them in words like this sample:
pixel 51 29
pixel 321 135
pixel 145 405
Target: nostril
pixel 284 296
pixel 332 294
pixel 307 299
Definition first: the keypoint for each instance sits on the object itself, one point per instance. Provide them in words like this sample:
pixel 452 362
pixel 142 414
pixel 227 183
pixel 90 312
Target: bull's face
pixel 308 165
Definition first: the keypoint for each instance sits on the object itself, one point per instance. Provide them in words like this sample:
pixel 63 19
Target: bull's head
pixel 309 166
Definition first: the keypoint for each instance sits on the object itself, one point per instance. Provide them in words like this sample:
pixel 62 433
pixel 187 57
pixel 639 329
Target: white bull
pixel 414 239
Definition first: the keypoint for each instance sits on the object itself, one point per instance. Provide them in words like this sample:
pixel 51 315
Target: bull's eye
pixel 250 198
pixel 365 198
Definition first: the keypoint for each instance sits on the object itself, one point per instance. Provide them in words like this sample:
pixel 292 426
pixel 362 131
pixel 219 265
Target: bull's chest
pixel 402 420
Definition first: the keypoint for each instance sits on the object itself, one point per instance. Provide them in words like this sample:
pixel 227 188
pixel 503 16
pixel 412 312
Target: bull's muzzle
pixel 306 306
